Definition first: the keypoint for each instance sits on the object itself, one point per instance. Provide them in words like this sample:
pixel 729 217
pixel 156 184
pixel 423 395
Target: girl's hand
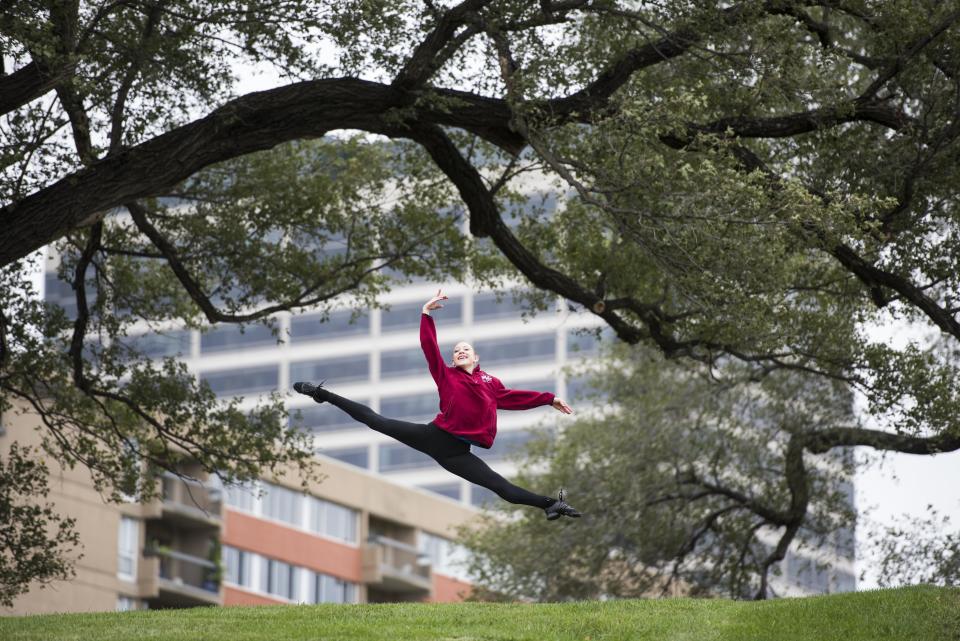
pixel 561 406
pixel 434 303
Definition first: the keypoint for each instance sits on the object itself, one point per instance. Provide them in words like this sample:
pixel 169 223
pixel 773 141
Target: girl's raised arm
pixel 428 338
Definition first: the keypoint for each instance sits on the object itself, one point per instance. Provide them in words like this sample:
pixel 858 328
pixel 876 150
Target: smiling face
pixel 464 357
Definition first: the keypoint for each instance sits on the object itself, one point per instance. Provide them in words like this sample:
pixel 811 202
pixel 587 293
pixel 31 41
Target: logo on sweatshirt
pixel 486 378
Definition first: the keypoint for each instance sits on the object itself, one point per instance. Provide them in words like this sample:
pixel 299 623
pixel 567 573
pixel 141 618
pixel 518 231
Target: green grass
pixel 915 613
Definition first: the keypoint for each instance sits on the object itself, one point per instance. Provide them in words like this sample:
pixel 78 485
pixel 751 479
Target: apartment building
pixel 353 538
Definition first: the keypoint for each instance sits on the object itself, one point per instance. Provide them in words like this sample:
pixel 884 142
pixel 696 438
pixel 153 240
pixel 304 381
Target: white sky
pixel 903 483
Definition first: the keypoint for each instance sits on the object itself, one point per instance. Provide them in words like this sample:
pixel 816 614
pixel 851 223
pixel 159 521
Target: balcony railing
pixel 192 501
pixel 395 566
pixel 185 579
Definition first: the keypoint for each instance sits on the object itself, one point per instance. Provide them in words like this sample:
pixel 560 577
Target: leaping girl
pixel 469 400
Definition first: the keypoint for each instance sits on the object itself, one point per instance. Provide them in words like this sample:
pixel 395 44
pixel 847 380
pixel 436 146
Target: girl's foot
pixel 309 389
pixel 559 508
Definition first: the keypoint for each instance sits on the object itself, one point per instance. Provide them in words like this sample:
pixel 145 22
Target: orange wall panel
pixel 449 590
pixel 232 596
pixel 292 546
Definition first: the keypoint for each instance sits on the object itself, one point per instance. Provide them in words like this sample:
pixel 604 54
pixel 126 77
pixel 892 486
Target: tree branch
pixel 64 17
pixel 254 122
pixel 424 61
pixel 116 113
pixel 768 514
pixel 29 83
pixel 310 295
pixel 4 346
pixel 83 310
pixel 873 277
pixel 79 122
pixel 820 29
pixel 860 110
pixel 912 49
pixel 596 94
pixel 822 441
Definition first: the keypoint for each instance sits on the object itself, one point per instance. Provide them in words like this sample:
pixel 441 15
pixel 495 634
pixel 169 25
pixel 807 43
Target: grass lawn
pixel 916 613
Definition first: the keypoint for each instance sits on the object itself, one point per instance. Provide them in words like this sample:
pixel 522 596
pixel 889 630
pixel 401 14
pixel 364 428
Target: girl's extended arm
pixel 518 399
pixel 428 339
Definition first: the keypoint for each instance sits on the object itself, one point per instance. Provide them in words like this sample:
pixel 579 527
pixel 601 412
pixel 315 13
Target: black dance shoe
pixel 560 508
pixel 309 389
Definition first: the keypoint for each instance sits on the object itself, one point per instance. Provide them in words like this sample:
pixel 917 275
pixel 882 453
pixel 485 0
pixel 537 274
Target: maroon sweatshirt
pixel 469 402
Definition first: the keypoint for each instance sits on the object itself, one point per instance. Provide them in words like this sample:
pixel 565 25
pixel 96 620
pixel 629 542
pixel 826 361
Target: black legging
pixel 446 449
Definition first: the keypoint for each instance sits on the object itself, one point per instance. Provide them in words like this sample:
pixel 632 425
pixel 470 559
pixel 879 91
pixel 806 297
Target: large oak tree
pixel 751 182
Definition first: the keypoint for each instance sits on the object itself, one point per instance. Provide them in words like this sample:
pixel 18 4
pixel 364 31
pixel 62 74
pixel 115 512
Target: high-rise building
pixel 378 361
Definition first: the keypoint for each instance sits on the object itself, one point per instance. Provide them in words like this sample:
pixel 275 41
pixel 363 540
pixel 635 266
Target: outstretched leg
pixel 472 468
pixel 450 452
pixel 412 434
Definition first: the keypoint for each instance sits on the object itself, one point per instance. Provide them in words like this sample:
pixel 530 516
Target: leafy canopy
pixel 682 484
pixel 751 184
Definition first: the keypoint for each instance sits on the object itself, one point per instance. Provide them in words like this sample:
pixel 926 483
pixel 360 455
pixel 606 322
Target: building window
pixel 535 385
pixel 279 578
pixel 582 387
pixel 283 580
pixel 335 521
pixel 406 316
pixel 488 307
pixel 844 581
pixel 230 336
pixel 449 490
pixel 241 497
pixel 282 504
pixel 237 564
pixel 401 457
pixel 324 418
pixel 342 370
pixel 582 343
pixel 310 327
pixel 421 406
pixel 845 541
pixel 510 351
pixel 446 557
pixel 406 362
pixel 402 363
pixel 125 604
pixel 357 456
pixel 506 443
pixel 128 540
pixel 807 574
pixel 60 293
pixel 161 344
pixel 482 497
pixel 251 380
pixel 330 589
